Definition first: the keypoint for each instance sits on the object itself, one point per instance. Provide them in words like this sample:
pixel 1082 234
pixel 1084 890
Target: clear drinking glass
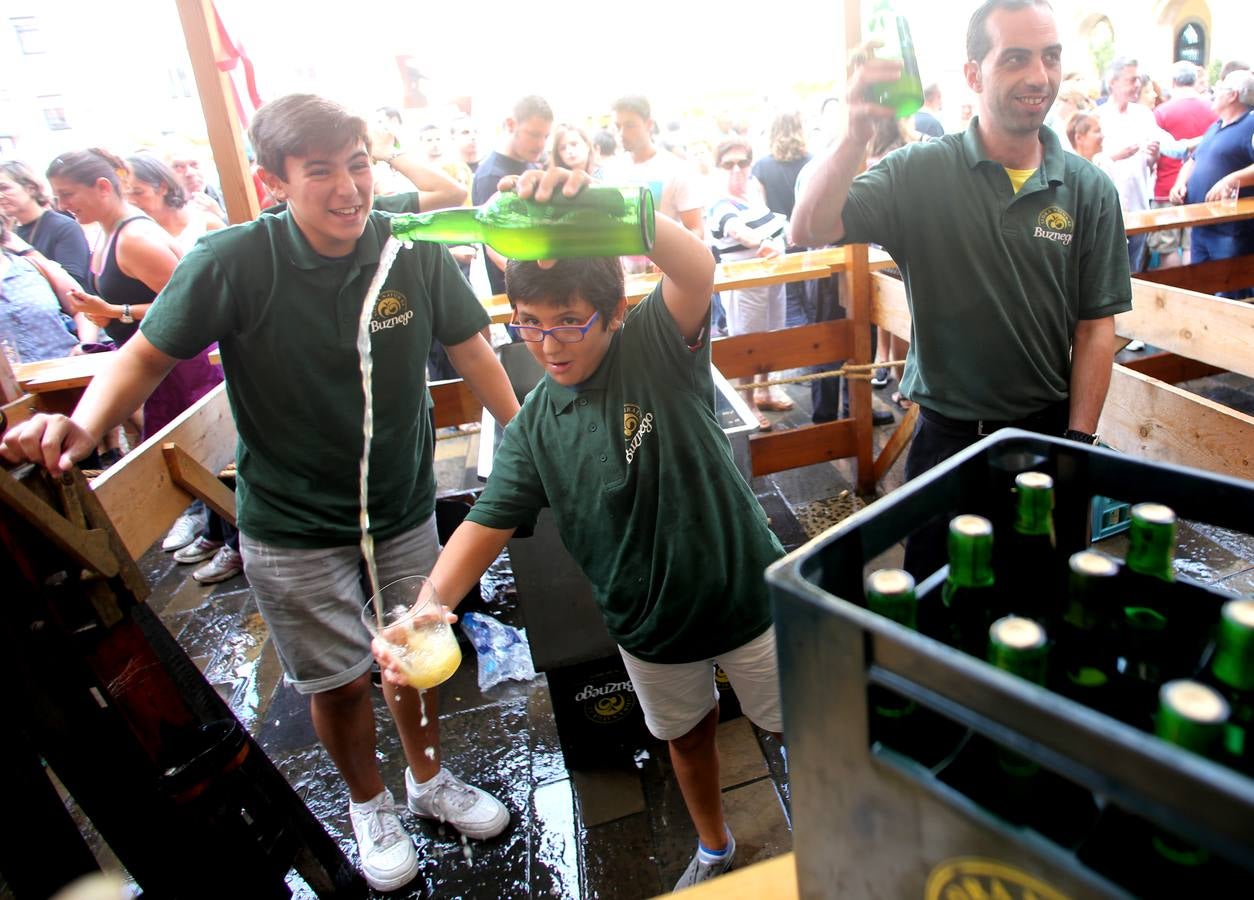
pixel 409 616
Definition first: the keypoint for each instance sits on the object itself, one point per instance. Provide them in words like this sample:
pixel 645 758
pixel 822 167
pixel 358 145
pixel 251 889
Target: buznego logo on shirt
pixel 1054 224
pixel 391 310
pixel 635 428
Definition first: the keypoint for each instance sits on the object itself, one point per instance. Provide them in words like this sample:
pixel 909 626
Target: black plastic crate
pixel 870 822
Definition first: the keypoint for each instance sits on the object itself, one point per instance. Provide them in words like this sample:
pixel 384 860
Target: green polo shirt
pixel 645 494
pixel 286 319
pixel 996 280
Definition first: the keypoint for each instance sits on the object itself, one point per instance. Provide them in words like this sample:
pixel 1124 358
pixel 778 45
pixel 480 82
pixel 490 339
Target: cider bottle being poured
pixel 598 221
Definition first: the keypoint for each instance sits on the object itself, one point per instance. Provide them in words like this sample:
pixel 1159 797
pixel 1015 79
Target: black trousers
pixel 936 438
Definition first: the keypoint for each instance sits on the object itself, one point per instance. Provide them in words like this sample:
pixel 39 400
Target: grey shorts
pixel 311 601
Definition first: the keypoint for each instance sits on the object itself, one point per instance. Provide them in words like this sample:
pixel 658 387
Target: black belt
pixel 1051 419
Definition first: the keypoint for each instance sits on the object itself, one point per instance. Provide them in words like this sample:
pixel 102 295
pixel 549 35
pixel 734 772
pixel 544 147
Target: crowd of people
pixel 1009 241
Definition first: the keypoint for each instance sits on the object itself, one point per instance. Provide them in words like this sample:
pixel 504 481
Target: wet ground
pixel 615 828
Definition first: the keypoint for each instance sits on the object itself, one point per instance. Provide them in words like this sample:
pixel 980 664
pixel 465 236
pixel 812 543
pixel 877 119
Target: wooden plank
pixel 1153 420
pixel 888 305
pixel 898 442
pixel 87 547
pixel 804 446
pixel 788 348
pixel 1211 277
pixel 455 403
pixel 63 373
pixel 771 879
pixel 216 101
pixel 1187 215
pixel 139 493
pixel 1171 368
pixel 1199 326
pixel 17 411
pixel 198 481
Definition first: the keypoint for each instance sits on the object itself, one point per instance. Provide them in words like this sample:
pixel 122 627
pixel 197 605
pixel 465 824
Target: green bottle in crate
pixel 1231 672
pixel 895 721
pixel 1144 857
pixel 1008 784
pixel 1148 572
pixel 1028 559
pixel 1087 667
pixel 1145 590
pixel 970 597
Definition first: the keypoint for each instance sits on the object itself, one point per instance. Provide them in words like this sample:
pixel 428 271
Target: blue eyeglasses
pixel 563 334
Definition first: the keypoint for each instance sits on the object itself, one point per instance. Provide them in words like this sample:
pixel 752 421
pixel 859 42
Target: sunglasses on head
pixel 730 164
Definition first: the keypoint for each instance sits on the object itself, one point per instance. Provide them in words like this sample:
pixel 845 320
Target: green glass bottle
pixel 1193 716
pixel 1088 663
pixel 1028 562
pixel 598 221
pixel 1151 548
pixel 897 722
pixel 892 31
pixel 1231 672
pixel 1008 784
pixel 1146 588
pixel 970 595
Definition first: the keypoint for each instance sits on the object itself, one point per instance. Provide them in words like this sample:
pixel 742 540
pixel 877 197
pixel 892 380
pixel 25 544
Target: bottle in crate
pixel 1144 857
pixel 1026 561
pixel 1231 672
pixel 896 722
pixel 1008 784
pixel 971 598
pixel 1145 592
pixel 1087 660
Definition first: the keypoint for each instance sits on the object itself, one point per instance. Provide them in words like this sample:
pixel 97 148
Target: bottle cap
pixel 1234 650
pixel 1089 587
pixel 1035 504
pixel 1152 540
pixel 1191 715
pixel 1018 645
pixel 971 551
pixel 890 593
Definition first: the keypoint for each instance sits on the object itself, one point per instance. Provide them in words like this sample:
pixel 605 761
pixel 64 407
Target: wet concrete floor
pixel 616 829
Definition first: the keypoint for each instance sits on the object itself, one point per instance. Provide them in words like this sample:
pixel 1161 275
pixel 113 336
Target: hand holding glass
pixel 410 621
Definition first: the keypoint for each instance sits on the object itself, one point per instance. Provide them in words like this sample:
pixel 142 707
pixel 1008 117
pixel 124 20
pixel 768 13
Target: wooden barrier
pixel 1212 277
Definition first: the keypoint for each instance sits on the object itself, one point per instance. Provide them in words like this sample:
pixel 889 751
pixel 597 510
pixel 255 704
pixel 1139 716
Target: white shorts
pixel 675 697
pixel 311 601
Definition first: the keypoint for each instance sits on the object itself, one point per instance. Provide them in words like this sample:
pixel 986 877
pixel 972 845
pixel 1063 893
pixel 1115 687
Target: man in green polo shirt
pixel 283 295
pixel 1013 252
pixel 621 440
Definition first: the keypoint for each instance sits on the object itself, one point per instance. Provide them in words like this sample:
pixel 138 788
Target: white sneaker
pixel 699 870
pixel 1135 346
pixel 183 532
pixel 198 550
pixel 475 813
pixel 226 563
pixel 388 859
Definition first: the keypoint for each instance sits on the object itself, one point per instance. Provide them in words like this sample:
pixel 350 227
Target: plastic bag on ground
pixel 503 651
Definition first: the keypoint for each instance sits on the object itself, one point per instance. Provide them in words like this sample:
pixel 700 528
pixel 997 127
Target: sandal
pixel 764 424
pixel 774 402
pixel 902 402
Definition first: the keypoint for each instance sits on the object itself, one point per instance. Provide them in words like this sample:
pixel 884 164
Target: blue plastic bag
pixel 503 650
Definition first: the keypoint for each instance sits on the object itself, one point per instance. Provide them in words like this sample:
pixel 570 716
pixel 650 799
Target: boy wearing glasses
pixel 621 440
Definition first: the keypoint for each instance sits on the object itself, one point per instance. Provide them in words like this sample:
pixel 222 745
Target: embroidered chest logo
pixel 1055 224
pixel 635 428
pixel 391 310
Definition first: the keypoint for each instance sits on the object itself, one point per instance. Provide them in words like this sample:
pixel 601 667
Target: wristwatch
pixel 126 318
pixel 1082 436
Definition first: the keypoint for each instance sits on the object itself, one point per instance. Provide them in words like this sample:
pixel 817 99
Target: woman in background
pixel 57 236
pixel 156 191
pixel 572 150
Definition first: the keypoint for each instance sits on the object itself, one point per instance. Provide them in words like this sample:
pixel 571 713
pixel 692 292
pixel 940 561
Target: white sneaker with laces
pixel 226 563
pixel 183 532
pixel 700 870
pixel 197 551
pixel 475 813
pixel 388 859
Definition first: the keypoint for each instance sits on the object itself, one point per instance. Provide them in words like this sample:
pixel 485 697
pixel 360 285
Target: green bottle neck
pixel 1034 511
pixel 1233 663
pixel 447 226
pixel 1152 544
pixel 971 561
pixel 1192 716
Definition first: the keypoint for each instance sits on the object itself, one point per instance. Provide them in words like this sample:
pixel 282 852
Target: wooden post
pixel 225 136
pixel 857 296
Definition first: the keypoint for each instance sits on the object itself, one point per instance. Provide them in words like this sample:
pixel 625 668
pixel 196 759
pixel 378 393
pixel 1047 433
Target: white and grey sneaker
pixel 183 531
pixel 475 813
pixel 226 563
pixel 703 869
pixel 388 859
pixel 198 550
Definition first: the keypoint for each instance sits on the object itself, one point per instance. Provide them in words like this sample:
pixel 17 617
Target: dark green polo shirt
pixel 995 280
pixel 645 494
pixel 286 321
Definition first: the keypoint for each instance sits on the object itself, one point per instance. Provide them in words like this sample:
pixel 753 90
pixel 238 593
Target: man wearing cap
pixel 1223 165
